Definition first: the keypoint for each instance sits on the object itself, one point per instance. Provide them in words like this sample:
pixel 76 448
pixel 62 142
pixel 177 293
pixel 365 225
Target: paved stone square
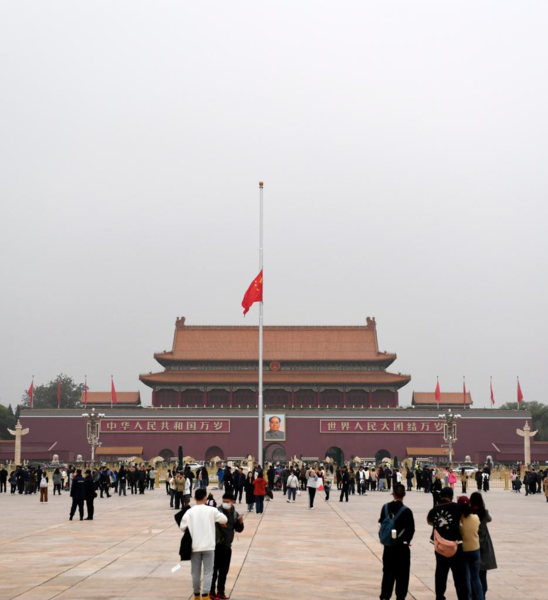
pixel 128 551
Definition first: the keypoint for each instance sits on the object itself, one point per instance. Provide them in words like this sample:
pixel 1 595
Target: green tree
pixel 539 413
pixel 45 396
pixel 7 421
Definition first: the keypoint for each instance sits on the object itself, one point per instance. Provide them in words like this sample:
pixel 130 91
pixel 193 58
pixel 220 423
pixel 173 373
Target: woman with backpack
pixel 488 560
pixel 44 482
pixel 470 524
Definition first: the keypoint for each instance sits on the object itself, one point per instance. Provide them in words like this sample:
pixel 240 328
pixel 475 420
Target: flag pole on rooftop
pixel 260 399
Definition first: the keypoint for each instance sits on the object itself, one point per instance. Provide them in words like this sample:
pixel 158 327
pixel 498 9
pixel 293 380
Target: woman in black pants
pixel 311 484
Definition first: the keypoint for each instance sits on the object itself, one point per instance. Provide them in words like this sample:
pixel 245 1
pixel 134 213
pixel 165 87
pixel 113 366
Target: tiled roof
pixel 447 398
pixel 276 377
pixel 291 343
pixel 427 452
pixel 119 450
pixel 105 398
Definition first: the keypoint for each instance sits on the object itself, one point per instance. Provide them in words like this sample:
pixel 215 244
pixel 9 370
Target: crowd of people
pixel 460 534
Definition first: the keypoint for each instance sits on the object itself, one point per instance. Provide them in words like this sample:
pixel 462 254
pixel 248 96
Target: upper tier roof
pixel 189 378
pixel 288 343
pixel 447 398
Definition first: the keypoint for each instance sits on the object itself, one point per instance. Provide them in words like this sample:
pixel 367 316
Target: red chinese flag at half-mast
pixel 31 392
pixel 113 392
pixel 520 394
pixel 254 293
pixel 438 392
pixel 58 393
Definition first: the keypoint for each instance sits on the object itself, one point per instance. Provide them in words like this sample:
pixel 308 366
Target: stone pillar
pixel 526 434
pixel 18 433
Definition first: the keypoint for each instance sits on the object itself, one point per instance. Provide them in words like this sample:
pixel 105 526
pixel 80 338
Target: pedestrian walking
pixel 57 481
pixel 345 484
pixel 259 491
pixel 249 491
pixel 463 479
pixel 488 560
pixel 200 521
pixel 292 484
pixel 397 528
pixel 445 519
pixel 77 493
pixel 239 484
pixel 89 495
pixel 312 485
pixel 223 548
pixel 470 525
pixel 328 481
pixel 44 482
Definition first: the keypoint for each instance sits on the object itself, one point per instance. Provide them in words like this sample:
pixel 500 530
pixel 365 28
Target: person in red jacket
pixel 260 492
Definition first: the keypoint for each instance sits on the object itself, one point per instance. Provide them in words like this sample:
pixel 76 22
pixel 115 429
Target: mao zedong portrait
pixel 274 431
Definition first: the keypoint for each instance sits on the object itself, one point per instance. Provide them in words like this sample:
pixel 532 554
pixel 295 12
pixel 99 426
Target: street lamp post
pixel 93 430
pixel 449 430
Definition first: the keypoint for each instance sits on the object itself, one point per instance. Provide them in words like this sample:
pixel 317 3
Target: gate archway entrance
pixel 214 451
pixel 336 454
pixel 275 453
pixel 381 454
pixel 167 454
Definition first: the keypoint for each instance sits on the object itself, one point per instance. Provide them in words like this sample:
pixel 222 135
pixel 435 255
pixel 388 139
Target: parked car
pixel 469 469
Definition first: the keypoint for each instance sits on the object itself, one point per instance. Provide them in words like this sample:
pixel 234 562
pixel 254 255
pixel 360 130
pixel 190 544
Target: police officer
pixel 77 493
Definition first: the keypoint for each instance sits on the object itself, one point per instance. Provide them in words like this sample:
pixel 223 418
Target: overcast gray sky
pixel 403 147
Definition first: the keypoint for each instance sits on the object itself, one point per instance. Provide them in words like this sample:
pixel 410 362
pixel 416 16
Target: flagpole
pixel 260 427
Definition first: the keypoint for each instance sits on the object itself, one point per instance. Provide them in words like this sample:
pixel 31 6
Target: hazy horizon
pixel 403 151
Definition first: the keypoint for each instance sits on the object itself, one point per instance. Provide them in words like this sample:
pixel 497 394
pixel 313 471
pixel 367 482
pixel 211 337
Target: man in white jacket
pixel 201 520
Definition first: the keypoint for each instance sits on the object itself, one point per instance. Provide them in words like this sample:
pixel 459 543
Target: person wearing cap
pixel 223 547
pixel 445 519
pixel 396 559
pixel 89 494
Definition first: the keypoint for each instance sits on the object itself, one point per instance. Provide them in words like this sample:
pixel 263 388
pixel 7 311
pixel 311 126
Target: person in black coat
pixel 142 479
pixel 89 495
pixel 239 483
pixel 249 491
pixel 345 484
pixel 228 480
pixel 78 494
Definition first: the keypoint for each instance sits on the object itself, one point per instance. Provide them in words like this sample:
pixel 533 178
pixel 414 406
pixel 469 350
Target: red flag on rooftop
pixel 464 391
pixel 492 393
pixel 58 393
pixel 438 392
pixel 254 293
pixel 520 394
pixel 113 399
pixel 86 391
pixel 31 391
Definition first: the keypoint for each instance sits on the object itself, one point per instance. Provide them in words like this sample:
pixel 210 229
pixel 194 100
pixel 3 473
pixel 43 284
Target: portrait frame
pixel 268 434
